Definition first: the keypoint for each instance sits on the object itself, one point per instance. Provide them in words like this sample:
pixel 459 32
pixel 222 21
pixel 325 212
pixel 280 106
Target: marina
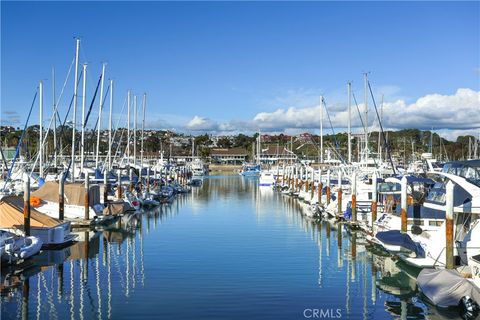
pixel 230 248
pixel 240 160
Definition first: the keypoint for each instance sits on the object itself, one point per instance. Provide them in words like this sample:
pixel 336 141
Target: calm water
pixel 228 250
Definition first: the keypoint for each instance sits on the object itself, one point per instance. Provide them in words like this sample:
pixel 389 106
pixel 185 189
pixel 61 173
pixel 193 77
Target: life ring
pixel 35 201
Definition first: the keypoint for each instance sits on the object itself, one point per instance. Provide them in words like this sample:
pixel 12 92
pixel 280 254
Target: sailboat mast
pixel 84 100
pixel 54 120
pixel 128 125
pixel 143 128
pixel 75 98
pixel 366 118
pixel 110 127
pixel 379 133
pixel 258 148
pixel 349 122
pixel 321 128
pixel 100 107
pixel 40 144
pixel 134 130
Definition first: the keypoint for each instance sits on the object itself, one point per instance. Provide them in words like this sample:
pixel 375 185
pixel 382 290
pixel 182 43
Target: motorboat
pixel 267 178
pixel 14 248
pixel 250 170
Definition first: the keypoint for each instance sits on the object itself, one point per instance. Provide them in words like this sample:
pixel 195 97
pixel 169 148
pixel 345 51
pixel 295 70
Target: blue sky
pixel 226 62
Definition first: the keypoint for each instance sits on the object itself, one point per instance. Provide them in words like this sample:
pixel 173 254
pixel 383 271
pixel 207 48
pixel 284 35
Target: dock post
pixel 374 198
pixel 61 197
pixel 87 197
pixel 339 201
pixel 148 179
pixel 354 197
pixel 328 187
pixel 404 204
pixel 306 180
pixel 319 187
pixel 119 184
pixel 312 187
pixel 449 225
pixel 26 207
pixel 105 189
pixel 296 178
pixel 130 178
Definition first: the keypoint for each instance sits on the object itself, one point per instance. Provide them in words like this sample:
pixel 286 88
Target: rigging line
pixel 103 102
pixel 62 132
pixel 118 121
pixel 63 89
pixel 358 109
pixel 333 130
pixel 92 137
pixel 381 128
pixel 17 151
pixel 92 102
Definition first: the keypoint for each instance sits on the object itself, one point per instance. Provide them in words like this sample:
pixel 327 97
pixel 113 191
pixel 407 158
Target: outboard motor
pixel 469 308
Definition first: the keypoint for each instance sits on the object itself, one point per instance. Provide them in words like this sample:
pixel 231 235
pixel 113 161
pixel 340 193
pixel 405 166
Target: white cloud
pixel 450 115
pixel 458 111
pixel 201 124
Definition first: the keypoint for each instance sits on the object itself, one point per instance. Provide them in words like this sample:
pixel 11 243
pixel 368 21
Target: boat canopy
pixel 74 193
pixel 397 238
pixel 446 288
pixel 11 215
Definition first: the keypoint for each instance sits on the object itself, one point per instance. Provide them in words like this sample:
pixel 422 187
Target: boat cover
pixel 397 238
pixel 74 193
pixel 11 215
pixel 445 288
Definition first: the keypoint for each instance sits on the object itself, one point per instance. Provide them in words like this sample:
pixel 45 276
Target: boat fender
pixel 35 201
pixel 416 230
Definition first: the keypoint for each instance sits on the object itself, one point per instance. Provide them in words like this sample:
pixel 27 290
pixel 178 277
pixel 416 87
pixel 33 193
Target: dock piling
pixel 339 201
pixel 130 178
pixel 328 187
pixel 354 197
pixel 61 197
pixel 148 179
pixel 374 198
pixel 404 204
pixel 449 225
pixel 26 206
pixel 87 197
pixel 119 184
pixel 105 189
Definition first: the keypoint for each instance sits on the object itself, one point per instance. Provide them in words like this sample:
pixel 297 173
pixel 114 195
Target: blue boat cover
pixel 397 238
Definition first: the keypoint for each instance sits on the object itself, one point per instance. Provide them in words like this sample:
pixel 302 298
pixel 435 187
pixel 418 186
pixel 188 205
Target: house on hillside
pixel 229 156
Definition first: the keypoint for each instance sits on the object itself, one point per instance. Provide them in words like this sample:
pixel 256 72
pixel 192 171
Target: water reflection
pixel 227 248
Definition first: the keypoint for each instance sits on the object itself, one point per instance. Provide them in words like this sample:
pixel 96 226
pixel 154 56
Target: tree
pixel 242 141
pixel 224 142
pixel 203 140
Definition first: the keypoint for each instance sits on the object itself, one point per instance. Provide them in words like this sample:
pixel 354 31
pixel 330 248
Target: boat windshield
pixel 389 187
pixel 470 170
